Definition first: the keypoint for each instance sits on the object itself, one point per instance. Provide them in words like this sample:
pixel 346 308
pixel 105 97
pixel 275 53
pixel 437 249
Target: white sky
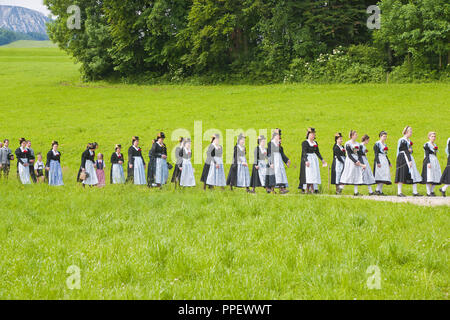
pixel 31 4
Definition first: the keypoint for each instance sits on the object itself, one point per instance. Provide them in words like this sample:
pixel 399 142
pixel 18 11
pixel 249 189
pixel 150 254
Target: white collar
pixel 55 152
pixel 240 147
pixel 137 148
pixel 312 144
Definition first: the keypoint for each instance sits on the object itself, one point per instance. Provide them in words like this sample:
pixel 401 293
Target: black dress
pixel 338 154
pixel 402 174
pixel 25 154
pixel 179 160
pixel 155 152
pixel 426 161
pixel 270 176
pixel 307 148
pixel 207 163
pixel 445 178
pixel 115 160
pixel 255 180
pixel 133 152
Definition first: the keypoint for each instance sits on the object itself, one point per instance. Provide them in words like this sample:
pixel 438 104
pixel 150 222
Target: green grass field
pixel 133 243
pixel 30 44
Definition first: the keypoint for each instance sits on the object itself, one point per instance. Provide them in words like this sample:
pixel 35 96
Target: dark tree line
pixel 242 39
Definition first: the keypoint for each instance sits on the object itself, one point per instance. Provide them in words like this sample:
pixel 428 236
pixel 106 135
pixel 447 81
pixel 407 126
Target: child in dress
pixel 368 178
pixel 406 170
pixel 431 170
pixel 309 166
pixel 39 169
pixel 354 166
pixel 117 175
pixel 100 170
pixel 382 165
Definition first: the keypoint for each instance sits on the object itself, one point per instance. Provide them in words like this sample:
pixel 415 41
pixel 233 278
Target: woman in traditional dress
pixel 88 166
pixel 338 162
pixel 445 179
pixel 431 170
pixel 276 173
pixel 53 166
pixel 176 171
pixel 368 177
pixel 239 176
pixel 216 174
pixel 136 163
pixel 187 178
pixel 353 166
pixel 207 164
pixel 158 170
pixel 406 170
pixel 258 178
pixel 309 166
pixel 382 165
pixel 23 156
pixel 117 175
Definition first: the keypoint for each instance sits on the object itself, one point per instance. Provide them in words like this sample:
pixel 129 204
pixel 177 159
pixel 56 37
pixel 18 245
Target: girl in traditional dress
pixel 23 161
pixel 431 170
pixel 117 175
pixel 382 165
pixel 39 169
pixel 309 166
pixel 158 170
pixel 276 173
pixel 187 178
pixel 176 171
pixel 338 162
pixel 100 170
pixel 88 166
pixel 207 164
pixel 406 171
pixel 445 179
pixel 368 177
pixel 353 166
pixel 259 168
pixel 216 174
pixel 136 163
pixel 53 166
pixel 239 176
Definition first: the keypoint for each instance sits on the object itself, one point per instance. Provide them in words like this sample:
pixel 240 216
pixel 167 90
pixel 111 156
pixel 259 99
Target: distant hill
pixel 30 44
pixel 22 20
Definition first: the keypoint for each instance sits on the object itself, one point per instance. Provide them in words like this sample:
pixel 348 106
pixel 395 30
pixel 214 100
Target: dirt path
pixel 421 201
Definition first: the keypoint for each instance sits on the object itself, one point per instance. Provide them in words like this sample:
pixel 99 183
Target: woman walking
pixel 23 162
pixel 53 166
pixel 136 163
pixel 276 173
pixel 406 170
pixel 337 167
pixel 239 176
pixel 368 177
pixel 382 165
pixel 353 166
pixel 88 173
pixel 258 178
pixel 158 170
pixel 178 162
pixel 431 170
pixel 117 175
pixel 187 178
pixel 216 174
pixel 309 166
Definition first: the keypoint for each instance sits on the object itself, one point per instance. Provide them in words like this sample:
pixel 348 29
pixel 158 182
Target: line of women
pixel 350 166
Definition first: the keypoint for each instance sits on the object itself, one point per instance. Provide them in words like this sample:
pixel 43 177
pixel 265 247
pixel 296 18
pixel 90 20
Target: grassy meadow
pixel 134 243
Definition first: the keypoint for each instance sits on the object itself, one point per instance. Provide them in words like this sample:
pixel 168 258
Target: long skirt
pixel 55 177
pixel 352 174
pixel 243 176
pixel 139 171
pixel 162 171
pixel 405 174
pixel 205 173
pixel 383 173
pixel 90 170
pixel 432 175
pixel 258 178
pixel 277 177
pixel 368 178
pixel 336 171
pixel 176 173
pixel 117 174
pixel 216 176
pixel 24 172
pixel 187 178
pixel 312 173
pixel 101 177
